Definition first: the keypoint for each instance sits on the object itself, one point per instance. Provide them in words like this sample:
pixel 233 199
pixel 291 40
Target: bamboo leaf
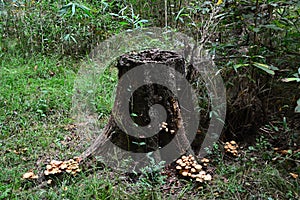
pixel 264 67
pixel 290 79
pixel 297 109
pixel 239 66
pixel 73 9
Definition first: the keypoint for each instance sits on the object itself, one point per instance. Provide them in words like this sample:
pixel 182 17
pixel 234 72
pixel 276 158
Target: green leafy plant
pixel 296 78
pixel 71 9
pixel 39 26
pixel 264 67
pixel 130 20
pixel 151 174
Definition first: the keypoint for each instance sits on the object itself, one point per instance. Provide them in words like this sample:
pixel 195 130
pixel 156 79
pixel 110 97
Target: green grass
pixel 35 102
pixel 35 98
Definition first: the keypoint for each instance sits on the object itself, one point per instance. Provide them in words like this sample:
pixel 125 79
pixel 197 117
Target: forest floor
pixel 36 127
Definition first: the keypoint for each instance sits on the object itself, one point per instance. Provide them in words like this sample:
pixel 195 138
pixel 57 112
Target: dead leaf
pixel 294 175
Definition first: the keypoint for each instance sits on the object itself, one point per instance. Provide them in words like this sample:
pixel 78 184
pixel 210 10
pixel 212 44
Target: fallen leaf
pixel 219 2
pixel 294 175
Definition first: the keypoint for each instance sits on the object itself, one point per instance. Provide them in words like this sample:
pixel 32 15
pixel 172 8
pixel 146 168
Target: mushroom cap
pixel 78 170
pixel 63 165
pixel 207 177
pixel 179 161
pixel 35 177
pixel 201 173
pixel 183 164
pixel 198 167
pixel 199 180
pixel 178 167
pixel 184 173
pixel 56 162
pixel 28 175
pixel 187 167
pixel 233 142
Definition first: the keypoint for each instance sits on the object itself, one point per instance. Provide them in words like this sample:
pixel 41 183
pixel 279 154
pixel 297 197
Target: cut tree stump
pixel 114 143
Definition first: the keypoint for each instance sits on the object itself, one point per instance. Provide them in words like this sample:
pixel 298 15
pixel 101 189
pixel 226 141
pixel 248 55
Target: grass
pixel 35 102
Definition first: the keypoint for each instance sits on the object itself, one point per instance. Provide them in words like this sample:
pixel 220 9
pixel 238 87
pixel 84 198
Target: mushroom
pixel 199 180
pixel 183 164
pixel 56 162
pixel 188 167
pixel 69 166
pixel 179 161
pixel 63 165
pixel 205 160
pixel 178 167
pixel 29 175
pixel 207 177
pixel 184 173
pixel 198 167
pixel 201 173
pixel 231 147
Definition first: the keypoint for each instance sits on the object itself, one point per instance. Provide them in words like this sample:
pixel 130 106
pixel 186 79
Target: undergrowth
pixel 35 98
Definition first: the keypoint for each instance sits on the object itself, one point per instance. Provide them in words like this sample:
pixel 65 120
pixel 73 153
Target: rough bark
pixel 140 103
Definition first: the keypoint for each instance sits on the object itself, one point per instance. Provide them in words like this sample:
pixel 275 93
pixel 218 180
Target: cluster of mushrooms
pixel 231 148
pixel 189 167
pixel 30 175
pixel 56 167
pixel 165 128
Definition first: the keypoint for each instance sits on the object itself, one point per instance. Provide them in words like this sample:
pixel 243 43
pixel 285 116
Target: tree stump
pixel 114 142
